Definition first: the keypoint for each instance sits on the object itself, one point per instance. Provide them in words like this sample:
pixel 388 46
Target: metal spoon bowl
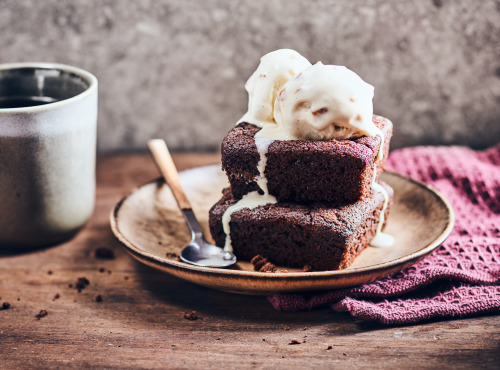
pixel 198 252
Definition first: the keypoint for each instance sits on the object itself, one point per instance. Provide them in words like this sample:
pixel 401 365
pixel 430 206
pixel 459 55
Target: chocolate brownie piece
pixel 303 171
pixel 294 235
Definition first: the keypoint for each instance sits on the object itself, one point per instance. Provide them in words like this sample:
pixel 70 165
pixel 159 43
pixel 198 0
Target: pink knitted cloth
pixel 460 278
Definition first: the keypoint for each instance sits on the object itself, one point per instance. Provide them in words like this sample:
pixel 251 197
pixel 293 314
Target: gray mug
pixel 48 117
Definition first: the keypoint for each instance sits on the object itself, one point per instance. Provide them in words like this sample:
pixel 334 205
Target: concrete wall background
pixel 176 69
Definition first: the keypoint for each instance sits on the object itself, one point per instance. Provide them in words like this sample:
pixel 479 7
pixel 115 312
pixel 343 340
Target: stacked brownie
pixel 326 210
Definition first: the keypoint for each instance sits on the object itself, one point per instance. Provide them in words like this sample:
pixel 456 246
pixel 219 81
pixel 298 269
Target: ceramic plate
pixel 152 229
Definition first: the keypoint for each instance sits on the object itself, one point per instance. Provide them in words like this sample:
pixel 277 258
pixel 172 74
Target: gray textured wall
pixel 176 69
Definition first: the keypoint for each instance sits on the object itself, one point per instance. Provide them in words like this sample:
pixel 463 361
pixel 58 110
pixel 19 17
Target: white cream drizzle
pixel 252 199
pixel 381 239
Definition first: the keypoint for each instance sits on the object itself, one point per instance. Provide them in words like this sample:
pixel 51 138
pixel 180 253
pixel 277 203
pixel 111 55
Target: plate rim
pixel 142 255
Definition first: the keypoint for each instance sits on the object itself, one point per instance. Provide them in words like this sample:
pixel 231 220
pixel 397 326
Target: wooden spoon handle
pixel 167 168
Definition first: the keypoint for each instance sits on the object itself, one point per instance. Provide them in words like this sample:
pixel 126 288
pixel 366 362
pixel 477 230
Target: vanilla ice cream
pixel 275 69
pixel 294 100
pixel 325 102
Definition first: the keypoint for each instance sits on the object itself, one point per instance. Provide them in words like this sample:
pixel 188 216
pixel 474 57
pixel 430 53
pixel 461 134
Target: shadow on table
pixel 244 308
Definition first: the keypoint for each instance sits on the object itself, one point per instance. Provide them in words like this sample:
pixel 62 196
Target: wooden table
pixel 140 320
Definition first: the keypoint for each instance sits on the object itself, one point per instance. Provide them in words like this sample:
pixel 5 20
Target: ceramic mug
pixel 48 117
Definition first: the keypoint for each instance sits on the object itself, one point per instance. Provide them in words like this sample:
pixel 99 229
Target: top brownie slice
pixel 302 171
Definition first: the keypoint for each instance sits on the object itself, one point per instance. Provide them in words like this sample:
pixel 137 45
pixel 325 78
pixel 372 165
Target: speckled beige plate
pixel 149 225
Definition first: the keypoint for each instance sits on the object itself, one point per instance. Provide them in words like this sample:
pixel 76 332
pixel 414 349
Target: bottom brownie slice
pixel 295 235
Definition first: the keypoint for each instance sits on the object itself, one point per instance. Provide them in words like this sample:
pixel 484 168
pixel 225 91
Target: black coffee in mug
pixel 21 102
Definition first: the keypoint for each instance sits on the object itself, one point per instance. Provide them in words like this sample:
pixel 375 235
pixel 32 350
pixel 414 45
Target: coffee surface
pixel 21 102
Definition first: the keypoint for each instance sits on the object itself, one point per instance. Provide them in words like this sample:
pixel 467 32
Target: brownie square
pixel 294 235
pixel 303 171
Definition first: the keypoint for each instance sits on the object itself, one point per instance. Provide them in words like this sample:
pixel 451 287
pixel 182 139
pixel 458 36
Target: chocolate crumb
pixel 57 296
pixel 268 267
pixel 329 348
pixel 263 340
pixel 18 299
pixel 102 269
pixel 81 283
pixel 126 277
pixel 98 298
pixel 104 253
pixel 307 268
pixel 50 272
pixel 294 341
pixel 5 306
pixel 191 315
pixel 172 255
pixel 262 264
pixel 42 313
pixel 258 261
pixel 344 354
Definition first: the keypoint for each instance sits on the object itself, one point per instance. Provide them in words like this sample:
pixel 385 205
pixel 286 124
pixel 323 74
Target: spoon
pixel 198 252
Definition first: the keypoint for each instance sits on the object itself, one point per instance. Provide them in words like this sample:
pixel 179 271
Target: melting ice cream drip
pixel 252 199
pixel 381 239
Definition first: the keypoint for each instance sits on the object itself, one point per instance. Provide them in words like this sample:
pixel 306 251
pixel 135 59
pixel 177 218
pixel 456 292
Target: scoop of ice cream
pixel 275 69
pixel 325 102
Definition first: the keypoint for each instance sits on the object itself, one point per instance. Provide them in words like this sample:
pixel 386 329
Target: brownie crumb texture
pixel 81 283
pixel 268 267
pixel 104 253
pixel 329 348
pixel 262 264
pixel 42 313
pixel 191 315
pixel 5 306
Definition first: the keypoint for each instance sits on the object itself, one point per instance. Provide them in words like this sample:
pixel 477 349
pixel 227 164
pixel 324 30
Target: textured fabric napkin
pixel 460 278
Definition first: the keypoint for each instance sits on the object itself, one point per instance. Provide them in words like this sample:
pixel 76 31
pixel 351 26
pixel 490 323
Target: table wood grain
pixel 140 321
